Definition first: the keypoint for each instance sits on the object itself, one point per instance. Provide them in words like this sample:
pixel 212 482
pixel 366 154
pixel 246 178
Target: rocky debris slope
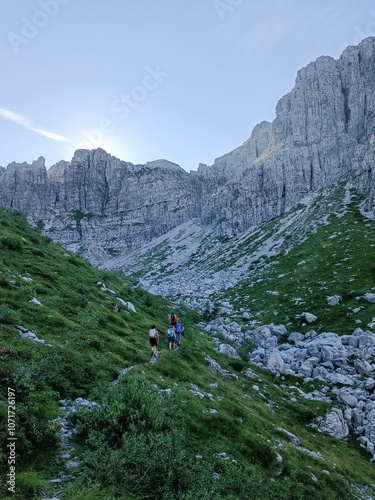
pixel 323 132
pixel 345 362
pixel 191 263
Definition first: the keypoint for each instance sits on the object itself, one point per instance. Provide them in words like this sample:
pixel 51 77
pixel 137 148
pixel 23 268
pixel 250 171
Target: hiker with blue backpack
pixel 179 330
pixel 171 337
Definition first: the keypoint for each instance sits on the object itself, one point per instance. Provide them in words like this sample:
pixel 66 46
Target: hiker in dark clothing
pixel 153 339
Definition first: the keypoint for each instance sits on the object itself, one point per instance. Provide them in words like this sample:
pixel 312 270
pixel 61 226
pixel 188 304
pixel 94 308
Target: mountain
pixel 96 419
pixel 323 133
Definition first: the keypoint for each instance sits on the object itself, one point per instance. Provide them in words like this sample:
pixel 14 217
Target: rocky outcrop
pixel 345 362
pixel 324 131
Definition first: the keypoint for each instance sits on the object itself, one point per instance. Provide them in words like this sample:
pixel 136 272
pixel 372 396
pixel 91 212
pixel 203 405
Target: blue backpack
pixel 178 328
pixel 170 333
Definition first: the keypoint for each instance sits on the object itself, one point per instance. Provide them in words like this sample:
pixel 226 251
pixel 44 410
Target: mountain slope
pixel 138 441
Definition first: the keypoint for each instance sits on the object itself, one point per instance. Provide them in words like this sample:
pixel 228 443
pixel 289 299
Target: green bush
pixel 245 349
pixel 135 441
pixel 9 316
pixel 11 242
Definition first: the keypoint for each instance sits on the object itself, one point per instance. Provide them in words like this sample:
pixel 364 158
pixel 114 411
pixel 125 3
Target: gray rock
pixel 228 350
pixel 277 330
pixel 250 374
pixel 357 418
pixel 334 424
pixel 348 415
pixel 370 426
pixel 369 384
pixel 279 458
pixel 319 372
pixel 71 464
pixel 348 399
pixel 333 300
pixel 260 334
pixel 273 361
pixel 127 304
pixel 363 367
pixel 293 439
pixel 217 370
pixel 305 369
pixel 339 379
pixel 35 301
pixel 369 297
pixel 296 337
pixel 366 341
pixel 308 317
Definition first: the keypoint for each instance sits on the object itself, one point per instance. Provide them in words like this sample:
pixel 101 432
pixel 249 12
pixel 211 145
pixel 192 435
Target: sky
pixel 182 80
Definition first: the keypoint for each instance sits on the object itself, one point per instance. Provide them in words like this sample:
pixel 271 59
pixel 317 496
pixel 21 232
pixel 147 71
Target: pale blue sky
pixel 184 80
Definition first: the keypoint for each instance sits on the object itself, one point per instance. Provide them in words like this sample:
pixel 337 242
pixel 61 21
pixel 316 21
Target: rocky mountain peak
pixel 164 164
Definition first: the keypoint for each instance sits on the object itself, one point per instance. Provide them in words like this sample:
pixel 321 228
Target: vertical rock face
pixel 24 187
pixel 324 131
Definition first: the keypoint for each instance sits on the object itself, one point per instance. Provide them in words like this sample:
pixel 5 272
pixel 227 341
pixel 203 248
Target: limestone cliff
pixel 324 131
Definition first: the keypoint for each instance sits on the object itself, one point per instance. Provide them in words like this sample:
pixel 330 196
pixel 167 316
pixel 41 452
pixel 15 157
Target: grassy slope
pixel 337 259
pixel 91 343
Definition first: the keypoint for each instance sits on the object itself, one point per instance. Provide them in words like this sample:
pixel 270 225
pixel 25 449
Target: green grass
pixel 142 444
pixel 335 260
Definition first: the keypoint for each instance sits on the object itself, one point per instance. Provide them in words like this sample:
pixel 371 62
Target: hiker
pixel 179 330
pixel 173 319
pixel 171 336
pixel 153 339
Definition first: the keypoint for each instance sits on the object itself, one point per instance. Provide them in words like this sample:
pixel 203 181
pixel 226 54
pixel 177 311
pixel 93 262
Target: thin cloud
pixel 25 122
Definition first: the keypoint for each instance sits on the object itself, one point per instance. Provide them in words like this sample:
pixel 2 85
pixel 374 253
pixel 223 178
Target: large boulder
pixel 296 337
pixel 334 424
pixel 333 300
pixel 308 317
pixel 348 399
pixel 370 426
pixel 260 334
pixel 277 330
pixel 216 368
pixel 369 384
pixel 339 379
pixel 273 360
pixel 369 297
pixel 328 347
pixel 363 367
pixel 228 350
pixel 366 341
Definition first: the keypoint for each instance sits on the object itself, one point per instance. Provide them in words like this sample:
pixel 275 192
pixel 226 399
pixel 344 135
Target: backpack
pixel 178 328
pixel 170 333
pixel 152 333
pixel 173 319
